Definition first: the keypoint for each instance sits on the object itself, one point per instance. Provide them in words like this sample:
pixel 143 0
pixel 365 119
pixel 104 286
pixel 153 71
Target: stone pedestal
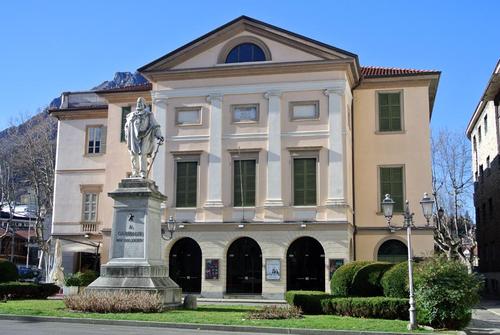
pixel 135 252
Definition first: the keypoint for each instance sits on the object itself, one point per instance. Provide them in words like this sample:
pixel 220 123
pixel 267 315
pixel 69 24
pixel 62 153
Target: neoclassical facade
pixel 278 151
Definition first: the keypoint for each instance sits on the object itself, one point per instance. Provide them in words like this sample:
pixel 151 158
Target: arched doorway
pixel 185 265
pixel 305 265
pixel 393 251
pixel 244 267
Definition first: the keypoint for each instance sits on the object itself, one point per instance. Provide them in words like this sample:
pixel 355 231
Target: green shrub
pixel 308 301
pixel 367 307
pixel 87 277
pixel 395 281
pixel 18 290
pixel 276 313
pixel 115 302
pixel 366 281
pixel 445 293
pixel 72 280
pixel 342 278
pixel 8 271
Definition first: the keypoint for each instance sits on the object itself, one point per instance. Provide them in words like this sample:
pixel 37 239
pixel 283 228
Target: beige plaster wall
pixel 410 148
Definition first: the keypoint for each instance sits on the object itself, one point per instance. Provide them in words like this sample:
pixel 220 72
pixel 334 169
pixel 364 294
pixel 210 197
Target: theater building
pixel 278 151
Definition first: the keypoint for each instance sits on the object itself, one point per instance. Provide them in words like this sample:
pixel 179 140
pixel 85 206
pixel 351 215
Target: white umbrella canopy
pixel 57 275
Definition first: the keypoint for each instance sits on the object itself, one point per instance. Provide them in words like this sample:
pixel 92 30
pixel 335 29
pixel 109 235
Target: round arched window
pixel 393 251
pixel 246 52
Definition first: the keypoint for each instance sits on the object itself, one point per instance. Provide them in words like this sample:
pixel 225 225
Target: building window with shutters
pixel 244 180
pixel 125 111
pixel 390 111
pixel 95 140
pixel 90 199
pixel 186 182
pixel 391 180
pixel 304 181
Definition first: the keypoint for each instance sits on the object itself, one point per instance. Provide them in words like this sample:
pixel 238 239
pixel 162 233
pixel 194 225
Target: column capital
pixel 334 90
pixel 214 97
pixel 160 101
pixel 273 93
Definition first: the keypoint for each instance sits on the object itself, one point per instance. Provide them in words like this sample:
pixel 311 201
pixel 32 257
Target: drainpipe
pixel 355 231
pixel 497 120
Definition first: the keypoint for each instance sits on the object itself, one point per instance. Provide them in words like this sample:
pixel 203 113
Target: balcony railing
pixel 89 227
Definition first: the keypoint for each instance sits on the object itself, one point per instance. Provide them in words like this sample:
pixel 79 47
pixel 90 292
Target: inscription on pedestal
pixel 129 236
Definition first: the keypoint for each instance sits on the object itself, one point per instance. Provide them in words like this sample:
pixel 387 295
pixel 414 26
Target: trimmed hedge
pixel 371 307
pixel 8 271
pixel 343 276
pixel 395 281
pixel 19 290
pixel 308 301
pixel 81 278
pixel 366 281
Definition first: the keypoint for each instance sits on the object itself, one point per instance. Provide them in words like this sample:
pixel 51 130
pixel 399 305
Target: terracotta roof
pixel 378 71
pixel 132 88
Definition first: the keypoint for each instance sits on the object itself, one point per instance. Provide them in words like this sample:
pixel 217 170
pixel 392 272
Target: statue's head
pixel 141 104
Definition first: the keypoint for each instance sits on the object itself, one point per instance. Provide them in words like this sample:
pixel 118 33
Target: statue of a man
pixel 141 130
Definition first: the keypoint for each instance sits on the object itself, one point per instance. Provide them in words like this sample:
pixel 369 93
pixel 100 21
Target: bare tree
pixel 452 183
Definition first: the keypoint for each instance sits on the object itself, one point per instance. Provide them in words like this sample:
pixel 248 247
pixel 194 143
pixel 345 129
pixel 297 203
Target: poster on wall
pixel 211 269
pixel 273 269
pixel 334 264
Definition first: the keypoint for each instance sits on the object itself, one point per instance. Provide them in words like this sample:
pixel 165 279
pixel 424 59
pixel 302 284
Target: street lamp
pixel 171 227
pixel 427 207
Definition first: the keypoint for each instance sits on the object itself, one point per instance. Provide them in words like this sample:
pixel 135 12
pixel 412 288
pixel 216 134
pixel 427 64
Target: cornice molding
pixel 80 114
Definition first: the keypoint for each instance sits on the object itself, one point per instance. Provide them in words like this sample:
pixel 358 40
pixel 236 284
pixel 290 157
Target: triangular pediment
pixel 281 46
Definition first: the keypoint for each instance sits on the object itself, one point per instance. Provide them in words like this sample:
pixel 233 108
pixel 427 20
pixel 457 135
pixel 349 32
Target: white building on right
pixel 484 133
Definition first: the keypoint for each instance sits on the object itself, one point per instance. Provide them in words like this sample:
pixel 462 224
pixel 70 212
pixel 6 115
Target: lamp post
pixel 427 206
pixel 171 227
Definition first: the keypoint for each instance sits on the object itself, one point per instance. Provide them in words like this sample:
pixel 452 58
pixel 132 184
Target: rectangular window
pixel 89 207
pixel 479 134
pixel 485 124
pixel 125 112
pixel 244 182
pixel 389 111
pixel 304 181
pixel 245 113
pixel 391 182
pixel 186 116
pixel 95 140
pixel 304 110
pixel 186 184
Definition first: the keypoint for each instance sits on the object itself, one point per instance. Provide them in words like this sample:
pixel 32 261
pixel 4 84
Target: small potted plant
pixel 71 284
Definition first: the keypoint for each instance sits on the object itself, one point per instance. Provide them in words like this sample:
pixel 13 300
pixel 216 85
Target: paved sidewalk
pixel 485 318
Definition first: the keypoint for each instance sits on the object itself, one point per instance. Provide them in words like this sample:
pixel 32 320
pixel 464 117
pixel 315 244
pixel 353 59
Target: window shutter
pixel 304 181
pixel 186 184
pixel 104 131
pixel 125 112
pixel 244 173
pixel 391 182
pixel 389 111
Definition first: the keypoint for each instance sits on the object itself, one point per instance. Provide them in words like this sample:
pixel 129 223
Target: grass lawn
pixel 207 314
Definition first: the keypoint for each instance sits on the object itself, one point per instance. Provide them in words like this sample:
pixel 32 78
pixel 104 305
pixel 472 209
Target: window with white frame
pixel 185 116
pixel 245 113
pixel 89 213
pixel 304 110
pixel 96 137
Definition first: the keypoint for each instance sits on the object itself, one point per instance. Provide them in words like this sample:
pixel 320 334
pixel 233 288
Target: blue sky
pixel 47 47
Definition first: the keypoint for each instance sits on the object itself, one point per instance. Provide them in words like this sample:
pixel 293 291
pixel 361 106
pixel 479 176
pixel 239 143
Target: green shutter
pixel 389 111
pixel 186 184
pixel 391 182
pixel 125 111
pixel 304 181
pixel 244 175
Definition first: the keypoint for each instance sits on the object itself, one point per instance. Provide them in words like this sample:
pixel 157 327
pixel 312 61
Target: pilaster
pixel 214 186
pixel 336 147
pixel 273 191
pixel 158 170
